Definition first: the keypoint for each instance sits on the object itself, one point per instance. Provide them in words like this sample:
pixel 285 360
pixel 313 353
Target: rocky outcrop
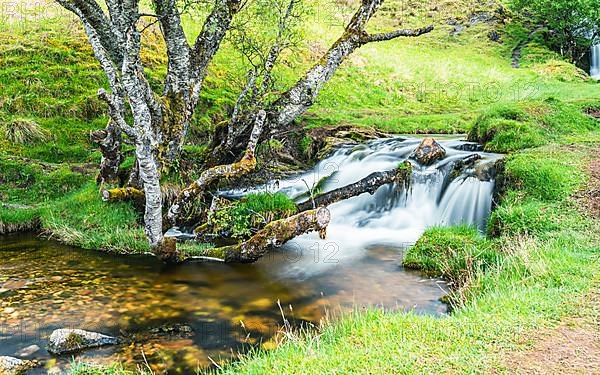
pixel 428 152
pixel 64 341
pixel 14 366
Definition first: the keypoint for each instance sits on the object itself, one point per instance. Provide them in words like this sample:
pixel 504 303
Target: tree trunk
pixel 275 234
pixel 150 177
pixel 109 140
pixel 369 184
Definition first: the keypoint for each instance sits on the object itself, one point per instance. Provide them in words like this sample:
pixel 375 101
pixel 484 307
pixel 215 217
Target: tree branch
pixel 245 165
pixel 178 49
pixel 275 234
pixel 92 13
pixel 369 184
pixel 116 114
pixel 368 38
pixel 208 41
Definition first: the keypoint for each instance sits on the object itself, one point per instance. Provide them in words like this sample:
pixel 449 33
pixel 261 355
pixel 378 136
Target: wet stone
pixel 14 366
pixel 28 351
pixel 428 152
pixel 64 341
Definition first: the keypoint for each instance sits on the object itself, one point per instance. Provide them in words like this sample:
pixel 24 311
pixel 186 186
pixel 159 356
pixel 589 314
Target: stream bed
pixel 185 317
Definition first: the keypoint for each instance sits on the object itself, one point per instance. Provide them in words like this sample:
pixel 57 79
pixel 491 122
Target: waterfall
pixel 595 62
pixel 393 216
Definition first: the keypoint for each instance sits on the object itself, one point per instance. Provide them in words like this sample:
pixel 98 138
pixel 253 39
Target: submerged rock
pixel 179 330
pixel 72 340
pixel 14 366
pixel 428 152
pixel 28 351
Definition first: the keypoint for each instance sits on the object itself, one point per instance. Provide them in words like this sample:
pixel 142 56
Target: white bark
pixel 301 96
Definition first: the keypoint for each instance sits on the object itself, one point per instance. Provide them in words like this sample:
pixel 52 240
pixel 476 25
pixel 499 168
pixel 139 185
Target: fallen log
pixel 275 234
pixel 208 177
pixel 369 184
pixel 124 194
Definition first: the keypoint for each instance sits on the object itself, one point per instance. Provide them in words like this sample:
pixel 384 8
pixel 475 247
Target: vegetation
pixel 572 25
pixel 534 267
pixel 510 127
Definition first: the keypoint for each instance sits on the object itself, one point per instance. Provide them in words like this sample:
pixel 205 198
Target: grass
pixel 510 127
pixel 525 274
pixel 83 368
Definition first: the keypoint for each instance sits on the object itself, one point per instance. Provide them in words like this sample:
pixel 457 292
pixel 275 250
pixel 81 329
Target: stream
pixel 184 317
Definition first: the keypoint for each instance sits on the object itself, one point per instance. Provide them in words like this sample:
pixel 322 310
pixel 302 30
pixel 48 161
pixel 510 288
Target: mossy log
pixel 276 234
pixel 124 194
pixel 369 184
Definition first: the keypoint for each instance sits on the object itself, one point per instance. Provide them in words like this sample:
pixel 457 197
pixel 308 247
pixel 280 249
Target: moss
pixel 73 342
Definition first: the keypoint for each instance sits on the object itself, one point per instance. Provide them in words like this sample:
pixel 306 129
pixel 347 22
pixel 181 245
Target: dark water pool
pixel 230 308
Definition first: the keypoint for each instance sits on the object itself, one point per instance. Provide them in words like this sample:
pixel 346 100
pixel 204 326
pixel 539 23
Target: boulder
pixel 428 152
pixel 64 341
pixel 14 366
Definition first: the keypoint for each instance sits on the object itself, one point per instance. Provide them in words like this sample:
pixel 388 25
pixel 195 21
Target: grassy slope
pixel 437 83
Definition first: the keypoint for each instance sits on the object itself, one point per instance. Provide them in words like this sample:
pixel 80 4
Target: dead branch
pixel 275 234
pixel 369 184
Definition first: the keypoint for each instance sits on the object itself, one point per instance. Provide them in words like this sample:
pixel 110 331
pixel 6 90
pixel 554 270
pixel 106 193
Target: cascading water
pixel 393 216
pixel 595 62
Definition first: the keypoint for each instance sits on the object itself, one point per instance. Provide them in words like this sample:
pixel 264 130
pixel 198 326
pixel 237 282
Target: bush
pixel 254 210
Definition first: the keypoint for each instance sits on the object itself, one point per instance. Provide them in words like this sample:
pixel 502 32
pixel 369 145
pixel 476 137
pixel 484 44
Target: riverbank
pixel 537 269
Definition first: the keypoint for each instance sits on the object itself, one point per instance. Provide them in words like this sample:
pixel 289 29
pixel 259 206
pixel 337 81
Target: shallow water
pixel 45 285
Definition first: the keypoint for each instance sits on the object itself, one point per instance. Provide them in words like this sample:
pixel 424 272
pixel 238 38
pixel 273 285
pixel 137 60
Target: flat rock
pixel 28 351
pixel 428 152
pixel 14 366
pixel 64 341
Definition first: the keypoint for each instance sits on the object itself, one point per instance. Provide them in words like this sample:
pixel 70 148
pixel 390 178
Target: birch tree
pixel 157 122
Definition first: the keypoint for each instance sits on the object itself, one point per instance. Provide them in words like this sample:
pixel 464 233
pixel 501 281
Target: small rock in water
pixel 72 340
pixel 182 330
pixel 14 366
pixel 28 351
pixel 428 152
